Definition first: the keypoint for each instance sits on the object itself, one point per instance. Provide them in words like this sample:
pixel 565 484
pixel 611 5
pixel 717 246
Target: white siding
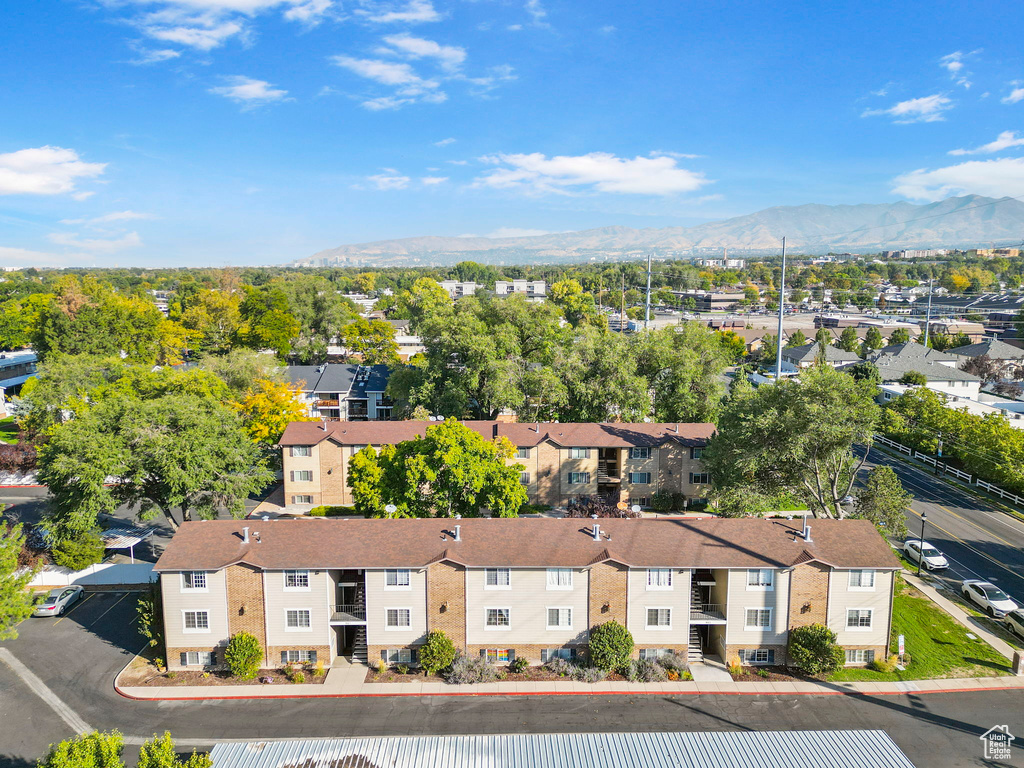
pixel 740 599
pixel 529 598
pixel 379 599
pixel 841 598
pixel 214 600
pixel 677 598
pixel 317 599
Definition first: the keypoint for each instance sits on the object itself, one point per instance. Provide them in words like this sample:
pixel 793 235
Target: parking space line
pixel 68 613
pixel 110 608
pixel 66 713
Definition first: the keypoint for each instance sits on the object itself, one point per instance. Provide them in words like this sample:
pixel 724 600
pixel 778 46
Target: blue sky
pixel 214 132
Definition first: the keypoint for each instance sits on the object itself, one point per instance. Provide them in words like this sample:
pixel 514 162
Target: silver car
pixel 58 601
pixel 1015 622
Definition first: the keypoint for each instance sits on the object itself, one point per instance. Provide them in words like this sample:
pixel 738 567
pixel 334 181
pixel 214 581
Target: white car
pixel 921 551
pixel 58 601
pixel 1015 622
pixel 988 596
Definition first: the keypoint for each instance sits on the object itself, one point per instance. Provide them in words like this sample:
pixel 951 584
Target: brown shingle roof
pixel 611 435
pixel 525 542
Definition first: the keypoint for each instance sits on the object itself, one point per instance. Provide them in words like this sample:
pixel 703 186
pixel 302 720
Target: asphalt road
pixel 77 656
pixel 979 540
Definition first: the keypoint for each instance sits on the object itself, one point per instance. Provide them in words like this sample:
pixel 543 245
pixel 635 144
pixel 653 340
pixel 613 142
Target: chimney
pixel 597 532
pixel 458 533
pixel 245 535
pixel 807 531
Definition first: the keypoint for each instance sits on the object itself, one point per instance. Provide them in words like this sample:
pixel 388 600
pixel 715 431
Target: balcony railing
pixel 348 614
pixel 707 613
pixel 327 404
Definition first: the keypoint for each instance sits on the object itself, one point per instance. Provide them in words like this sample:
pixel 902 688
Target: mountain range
pixel 957 222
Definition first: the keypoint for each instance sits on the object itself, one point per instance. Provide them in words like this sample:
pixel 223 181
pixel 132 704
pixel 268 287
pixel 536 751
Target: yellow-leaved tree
pixel 268 407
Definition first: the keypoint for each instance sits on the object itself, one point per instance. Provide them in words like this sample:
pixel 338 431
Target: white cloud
pixel 600 171
pixel 927 109
pixel 249 92
pixel 108 218
pixel 992 178
pixel 444 142
pixel 13 256
pixel 954 64
pixel 200 34
pixel 501 232
pixel 1004 140
pixel 44 171
pixel 607 29
pixel 414 11
pixel 433 181
pixel 537 12
pixel 308 12
pixel 514 27
pixel 1017 94
pixel 450 57
pixel 155 56
pixel 390 179
pixel 458 162
pixel 96 245
pixel 409 86
pixel 677 155
pixel 494 77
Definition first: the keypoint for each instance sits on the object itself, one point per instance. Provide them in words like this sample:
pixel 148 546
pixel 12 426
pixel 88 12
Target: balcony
pixel 328 404
pixel 348 614
pixel 707 613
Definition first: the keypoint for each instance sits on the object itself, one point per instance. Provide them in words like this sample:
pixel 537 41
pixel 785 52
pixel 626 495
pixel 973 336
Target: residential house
pixel 534 290
pixel 629 462
pixel 1009 358
pixel 408 343
pixel 980 405
pixel 344 392
pixel 807 355
pixel 939 368
pixel 974 331
pixel 314 589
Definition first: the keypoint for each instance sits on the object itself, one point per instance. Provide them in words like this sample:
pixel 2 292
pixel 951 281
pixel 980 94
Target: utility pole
pixel 928 317
pixel 647 311
pixel 782 304
pixel 622 303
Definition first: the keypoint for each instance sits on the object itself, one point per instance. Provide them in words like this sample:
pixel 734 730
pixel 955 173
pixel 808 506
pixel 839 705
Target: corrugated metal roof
pixel 719 749
pixel 124 538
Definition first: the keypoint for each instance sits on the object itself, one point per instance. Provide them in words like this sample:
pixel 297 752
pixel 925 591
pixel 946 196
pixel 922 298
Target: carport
pixel 125 538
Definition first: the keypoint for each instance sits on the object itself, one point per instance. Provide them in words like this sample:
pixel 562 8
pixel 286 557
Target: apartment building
pixel 344 392
pixel 459 288
pixel 535 290
pixel 314 589
pixel 628 462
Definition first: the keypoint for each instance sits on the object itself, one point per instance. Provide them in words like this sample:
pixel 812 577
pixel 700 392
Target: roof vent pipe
pixel 807 531
pixel 245 535
pixel 597 532
pixel 458 533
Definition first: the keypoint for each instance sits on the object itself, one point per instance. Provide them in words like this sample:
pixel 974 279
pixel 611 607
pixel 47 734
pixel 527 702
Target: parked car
pixel 988 596
pixel 848 500
pixel 1015 622
pixel 58 601
pixel 930 558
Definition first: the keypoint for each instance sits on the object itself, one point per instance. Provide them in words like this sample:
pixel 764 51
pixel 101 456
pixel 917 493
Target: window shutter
pixel 312 657
pixel 573 653
pixel 511 655
pixel 483 653
pixel 184 659
pixel 384 655
pixel 743 655
pixel 414 655
pixel 771 655
pixel 543 655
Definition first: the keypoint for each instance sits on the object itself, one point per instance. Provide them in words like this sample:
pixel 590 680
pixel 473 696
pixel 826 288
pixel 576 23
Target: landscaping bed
pixel 767 674
pixel 144 672
pixel 528 675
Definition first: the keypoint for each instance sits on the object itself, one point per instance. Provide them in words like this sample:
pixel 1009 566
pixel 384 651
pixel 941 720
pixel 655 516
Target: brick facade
pixel 732 653
pixel 607 598
pixel 324 653
pixel 808 595
pixel 446 601
pixel 531 652
pixel 246 603
pixel 174 656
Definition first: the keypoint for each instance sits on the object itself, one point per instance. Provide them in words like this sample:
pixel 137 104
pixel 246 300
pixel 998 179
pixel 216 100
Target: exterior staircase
pixel 359 647
pixel 694 652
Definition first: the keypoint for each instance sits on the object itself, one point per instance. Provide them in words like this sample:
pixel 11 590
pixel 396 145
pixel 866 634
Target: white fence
pixel 101 574
pixel 941 466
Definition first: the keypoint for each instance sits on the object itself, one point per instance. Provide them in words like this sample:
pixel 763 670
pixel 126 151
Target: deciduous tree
pixel 883 501
pixel 15 598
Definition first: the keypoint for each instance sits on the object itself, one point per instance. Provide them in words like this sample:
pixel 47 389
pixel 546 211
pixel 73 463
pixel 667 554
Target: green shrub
pixel 643 671
pixel 160 752
pixel 298 676
pixel 668 501
pixel 402 669
pixel 437 653
pixel 244 655
pixel 78 554
pixel 91 750
pixel 885 665
pixel 151 623
pixel 318 669
pixel 814 650
pixel 518 664
pixel 467 670
pixel 325 510
pixel 611 645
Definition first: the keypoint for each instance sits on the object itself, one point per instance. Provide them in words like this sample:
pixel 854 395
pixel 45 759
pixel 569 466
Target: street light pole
pixel 920 543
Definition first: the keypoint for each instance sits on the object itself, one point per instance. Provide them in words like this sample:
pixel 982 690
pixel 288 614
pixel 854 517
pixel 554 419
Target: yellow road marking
pixel 68 613
pixel 975 525
pixel 975 551
pixel 111 607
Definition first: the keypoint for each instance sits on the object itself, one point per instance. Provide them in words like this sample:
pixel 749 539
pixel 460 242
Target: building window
pixel 398 618
pixel 579 453
pixel 640 453
pixel 524 478
pixel 758 656
pixel 499 655
pixel 297 620
pixel 398 656
pixel 498 618
pixel 760 578
pixel 859 656
pixel 194 581
pixel 298 657
pixel 696 453
pixel 301 450
pixel 858 618
pixel 547 654
pixel 659 578
pixel 296 580
pixel 659 618
pixel 302 476
pixel 197 658
pixel 196 621
pixel 640 501
pixel 397 578
pixel 758 618
pixel 700 478
pixel 862 580
pixel 497 578
pixel 559 618
pixel 650 654
pixel 559 578
pixel 579 478
pixel 523 452
pixel 639 478
pixel 302 499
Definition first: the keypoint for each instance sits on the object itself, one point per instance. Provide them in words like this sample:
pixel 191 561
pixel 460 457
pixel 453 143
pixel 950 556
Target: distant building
pixel 535 290
pixel 939 368
pixel 457 289
pixel 806 355
pixel 1001 253
pixel 974 331
pixel 930 253
pixel 725 263
pixel 709 301
pixel 408 344
pixel 15 369
pixel 981 405
pixel 343 392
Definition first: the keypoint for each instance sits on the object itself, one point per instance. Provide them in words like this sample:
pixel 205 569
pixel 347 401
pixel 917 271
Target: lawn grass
pixel 8 431
pixel 937 644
